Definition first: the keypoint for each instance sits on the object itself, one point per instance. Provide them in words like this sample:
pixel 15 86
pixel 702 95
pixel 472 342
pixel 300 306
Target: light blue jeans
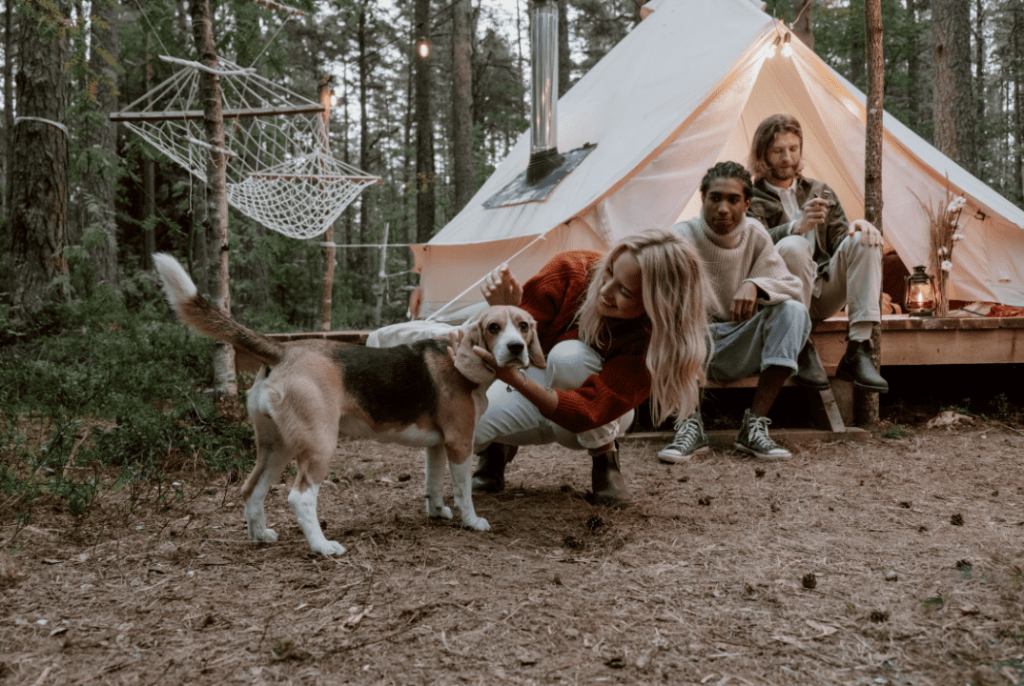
pixel 513 420
pixel 774 336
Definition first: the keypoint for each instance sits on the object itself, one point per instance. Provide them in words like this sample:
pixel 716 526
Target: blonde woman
pixel 616 329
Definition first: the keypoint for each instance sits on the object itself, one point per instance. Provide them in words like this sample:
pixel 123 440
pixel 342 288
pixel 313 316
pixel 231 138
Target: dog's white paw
pixel 442 512
pixel 477 524
pixel 264 536
pixel 328 548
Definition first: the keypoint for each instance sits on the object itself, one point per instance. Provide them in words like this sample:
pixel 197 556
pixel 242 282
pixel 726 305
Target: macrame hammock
pixel 280 170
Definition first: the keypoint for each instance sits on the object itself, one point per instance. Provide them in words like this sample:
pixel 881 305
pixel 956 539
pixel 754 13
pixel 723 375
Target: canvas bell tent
pixel 684 90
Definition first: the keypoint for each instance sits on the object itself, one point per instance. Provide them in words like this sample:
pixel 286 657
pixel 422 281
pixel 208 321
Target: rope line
pixel 152 28
pixel 18 120
pixel 365 245
pixel 476 283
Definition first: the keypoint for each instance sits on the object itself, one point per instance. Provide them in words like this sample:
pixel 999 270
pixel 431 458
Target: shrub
pixel 120 390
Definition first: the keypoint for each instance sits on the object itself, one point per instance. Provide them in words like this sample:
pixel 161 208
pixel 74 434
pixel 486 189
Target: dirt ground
pixel 891 561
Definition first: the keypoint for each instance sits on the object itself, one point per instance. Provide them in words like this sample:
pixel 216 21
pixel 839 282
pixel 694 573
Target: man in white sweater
pixel 758 323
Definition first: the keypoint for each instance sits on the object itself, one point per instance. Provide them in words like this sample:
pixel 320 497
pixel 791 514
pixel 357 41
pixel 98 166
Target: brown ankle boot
pixel 609 485
pixel 489 476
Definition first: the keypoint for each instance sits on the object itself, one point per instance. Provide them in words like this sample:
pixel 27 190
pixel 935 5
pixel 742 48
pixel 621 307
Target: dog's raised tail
pixel 193 309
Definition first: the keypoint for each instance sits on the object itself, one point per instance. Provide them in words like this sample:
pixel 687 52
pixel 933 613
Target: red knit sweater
pixel 553 296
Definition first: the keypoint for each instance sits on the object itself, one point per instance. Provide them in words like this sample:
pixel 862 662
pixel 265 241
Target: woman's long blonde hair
pixel 673 294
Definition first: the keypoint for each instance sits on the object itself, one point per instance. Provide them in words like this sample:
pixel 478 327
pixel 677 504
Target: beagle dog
pixel 309 391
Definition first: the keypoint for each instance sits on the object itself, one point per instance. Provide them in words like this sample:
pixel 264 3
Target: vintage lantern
pixel 921 293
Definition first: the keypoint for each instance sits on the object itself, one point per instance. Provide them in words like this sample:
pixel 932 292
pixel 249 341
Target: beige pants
pixel 854 278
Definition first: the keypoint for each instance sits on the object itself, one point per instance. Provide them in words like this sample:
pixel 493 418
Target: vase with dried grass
pixel 945 233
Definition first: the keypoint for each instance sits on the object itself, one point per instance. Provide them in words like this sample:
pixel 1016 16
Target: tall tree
pixel 867 402
pixel 803 23
pixel 462 105
pixel 39 162
pixel 8 75
pixel 327 300
pixel 857 47
pixel 425 192
pixel 954 103
pixel 564 53
pixel 366 65
pixel 601 24
pixel 99 142
pixel 216 175
pixel 913 69
pixel 149 175
pixel 1017 10
pixel 979 60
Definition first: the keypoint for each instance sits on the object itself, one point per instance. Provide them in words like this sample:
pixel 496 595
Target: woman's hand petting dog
pixel 510 375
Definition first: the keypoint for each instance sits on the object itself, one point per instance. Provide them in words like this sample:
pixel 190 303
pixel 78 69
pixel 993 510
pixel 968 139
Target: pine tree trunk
pixel 462 106
pixel 100 142
pixel 866 402
pixel 365 65
pixel 8 75
pixel 199 245
pixel 39 160
pixel 564 54
pixel 216 175
pixel 327 298
pixel 979 60
pixel 913 70
pixel 803 24
pixel 857 47
pixel 148 177
pixel 425 194
pixel 954 104
pixel 407 164
pixel 181 20
pixel 1018 92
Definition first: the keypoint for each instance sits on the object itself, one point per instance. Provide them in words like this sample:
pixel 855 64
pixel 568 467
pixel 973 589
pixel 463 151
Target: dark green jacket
pixel 766 207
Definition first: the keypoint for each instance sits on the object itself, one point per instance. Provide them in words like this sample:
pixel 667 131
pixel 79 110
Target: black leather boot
pixel 856 366
pixel 608 483
pixel 489 476
pixel 810 373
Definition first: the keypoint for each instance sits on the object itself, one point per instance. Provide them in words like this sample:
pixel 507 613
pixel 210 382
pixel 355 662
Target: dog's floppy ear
pixel 468 362
pixel 536 353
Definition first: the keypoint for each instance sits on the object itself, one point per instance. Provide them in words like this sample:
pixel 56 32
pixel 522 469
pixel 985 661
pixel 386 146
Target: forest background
pixel 953 72
pixel 96 374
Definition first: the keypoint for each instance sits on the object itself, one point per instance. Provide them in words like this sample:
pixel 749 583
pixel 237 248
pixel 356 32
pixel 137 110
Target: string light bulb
pixel 787 48
pixel 423 48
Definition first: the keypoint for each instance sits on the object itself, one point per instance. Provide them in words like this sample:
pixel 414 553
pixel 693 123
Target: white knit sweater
pixel 745 254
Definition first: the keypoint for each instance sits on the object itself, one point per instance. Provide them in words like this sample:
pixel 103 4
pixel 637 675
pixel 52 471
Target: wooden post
pixel 216 179
pixel 326 303
pixel 866 402
pixel 382 276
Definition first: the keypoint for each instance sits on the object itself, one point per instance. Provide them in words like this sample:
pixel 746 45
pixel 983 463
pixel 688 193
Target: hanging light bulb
pixel 334 99
pixel 787 48
pixel 423 48
pixel 773 49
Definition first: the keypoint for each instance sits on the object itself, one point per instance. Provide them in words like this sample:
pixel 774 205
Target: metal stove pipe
pixel 544 156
